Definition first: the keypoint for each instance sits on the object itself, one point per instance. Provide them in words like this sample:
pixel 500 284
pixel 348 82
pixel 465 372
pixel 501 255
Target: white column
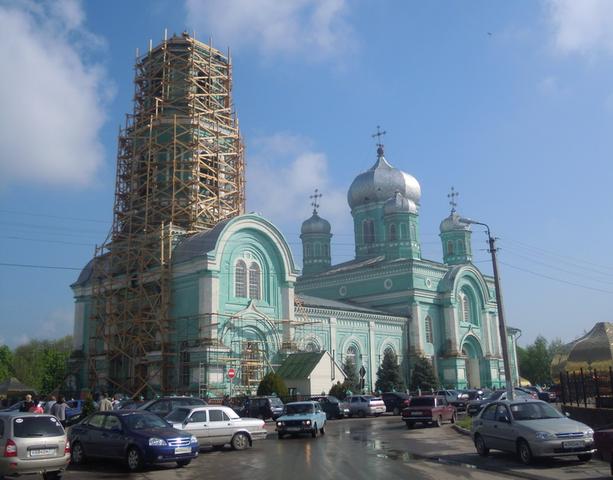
pixel 208 306
pixel 287 312
pixel 485 322
pixel 415 331
pixel 451 329
pixel 372 345
pixel 333 347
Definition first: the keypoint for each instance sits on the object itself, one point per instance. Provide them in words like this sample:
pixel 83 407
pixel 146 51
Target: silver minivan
pixel 32 443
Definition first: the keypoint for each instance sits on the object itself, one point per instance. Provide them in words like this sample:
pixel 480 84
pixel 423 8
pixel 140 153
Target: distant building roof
pixel 198 244
pixel 593 350
pixel 298 366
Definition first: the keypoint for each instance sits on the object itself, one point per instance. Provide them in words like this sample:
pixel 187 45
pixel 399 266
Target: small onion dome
pixel 452 222
pixel 399 204
pixel 381 182
pixel 315 224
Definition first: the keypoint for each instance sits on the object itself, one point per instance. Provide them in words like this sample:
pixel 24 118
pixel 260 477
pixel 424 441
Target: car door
pixel 197 425
pixel 486 428
pixel 504 429
pixel 113 437
pixel 92 440
pixel 219 430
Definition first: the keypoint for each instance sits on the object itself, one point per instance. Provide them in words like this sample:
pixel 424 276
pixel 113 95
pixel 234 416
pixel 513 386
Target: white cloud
pixel 57 324
pixel 581 26
pixel 317 28
pixel 283 171
pixel 52 98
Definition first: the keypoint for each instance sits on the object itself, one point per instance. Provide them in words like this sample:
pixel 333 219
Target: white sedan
pixel 216 426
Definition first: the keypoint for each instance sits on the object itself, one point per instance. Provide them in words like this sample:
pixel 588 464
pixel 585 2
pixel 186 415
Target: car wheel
pixel 240 441
pixel 183 463
pixel 438 422
pixel 77 456
pixel 453 418
pixel 524 452
pixel 52 475
pixel 410 425
pixel 134 460
pixel 322 430
pixel 314 431
pixel 361 414
pixel 396 411
pixel 481 447
pixel 585 457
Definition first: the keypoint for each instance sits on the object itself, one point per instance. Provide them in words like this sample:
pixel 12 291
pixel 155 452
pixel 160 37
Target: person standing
pixel 36 408
pixel 59 410
pixel 50 402
pixel 27 404
pixel 105 404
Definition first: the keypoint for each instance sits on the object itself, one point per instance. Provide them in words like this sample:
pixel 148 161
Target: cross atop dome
pixel 379 134
pixel 452 199
pixel 315 200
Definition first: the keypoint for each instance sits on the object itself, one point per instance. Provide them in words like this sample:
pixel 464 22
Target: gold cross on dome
pixel 315 200
pixel 452 196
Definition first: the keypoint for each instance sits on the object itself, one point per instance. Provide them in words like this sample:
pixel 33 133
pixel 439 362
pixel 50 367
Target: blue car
pixel 134 436
pixel 302 417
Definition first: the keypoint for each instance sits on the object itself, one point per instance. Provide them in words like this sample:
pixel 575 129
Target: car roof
pixel 521 400
pixel 306 402
pixel 16 413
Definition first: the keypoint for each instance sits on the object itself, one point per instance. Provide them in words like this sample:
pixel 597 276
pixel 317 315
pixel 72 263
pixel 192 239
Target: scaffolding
pixel 180 170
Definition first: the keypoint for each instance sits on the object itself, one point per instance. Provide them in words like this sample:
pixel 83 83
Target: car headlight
pixel 279 424
pixel 193 439
pixel 157 442
pixel 544 436
pixel 589 433
pixel 306 422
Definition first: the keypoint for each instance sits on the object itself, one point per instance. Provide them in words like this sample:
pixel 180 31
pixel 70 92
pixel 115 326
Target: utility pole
pixel 502 327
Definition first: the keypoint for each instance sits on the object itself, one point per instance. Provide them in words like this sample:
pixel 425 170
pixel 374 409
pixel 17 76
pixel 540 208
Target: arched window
pixel 392 232
pixel 403 230
pixel 254 281
pixel 240 279
pixel 307 250
pixel 368 231
pixel 466 308
pixel 352 353
pixel 449 247
pixel 311 347
pixel 429 334
pixel 326 250
pixel 413 233
pixel 318 250
pixel 460 246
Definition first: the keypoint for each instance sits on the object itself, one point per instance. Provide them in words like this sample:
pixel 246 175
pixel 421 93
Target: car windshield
pixel 177 415
pixel 143 422
pixel 422 402
pixel 298 408
pixel 494 396
pixel 534 411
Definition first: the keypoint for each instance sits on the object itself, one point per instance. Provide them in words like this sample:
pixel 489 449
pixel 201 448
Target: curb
pixel 461 430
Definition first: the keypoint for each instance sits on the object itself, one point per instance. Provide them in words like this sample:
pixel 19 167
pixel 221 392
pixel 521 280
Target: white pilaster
pixel 415 331
pixel 372 354
pixel 287 312
pixel 333 347
pixel 485 322
pixel 451 330
pixel 208 306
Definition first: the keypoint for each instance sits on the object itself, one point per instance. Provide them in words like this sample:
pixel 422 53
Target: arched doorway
pixel 471 349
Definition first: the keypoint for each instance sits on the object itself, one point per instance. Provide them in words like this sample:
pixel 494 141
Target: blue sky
pixel 509 102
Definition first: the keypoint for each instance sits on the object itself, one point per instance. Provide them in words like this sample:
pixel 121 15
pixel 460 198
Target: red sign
pixel 231 373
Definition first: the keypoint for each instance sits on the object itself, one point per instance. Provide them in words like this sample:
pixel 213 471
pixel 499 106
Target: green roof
pixel 298 366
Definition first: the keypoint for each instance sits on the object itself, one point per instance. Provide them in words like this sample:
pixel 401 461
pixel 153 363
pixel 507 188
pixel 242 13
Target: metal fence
pixel 590 388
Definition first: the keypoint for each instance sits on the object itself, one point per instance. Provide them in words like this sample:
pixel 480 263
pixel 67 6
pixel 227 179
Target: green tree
pixel 54 370
pixel 272 383
pixel 339 390
pixel 389 378
pixel 352 382
pixel 6 363
pixel 535 361
pixel 423 376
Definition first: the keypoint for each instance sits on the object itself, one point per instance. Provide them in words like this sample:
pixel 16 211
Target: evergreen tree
pixel 272 383
pixel 389 378
pixel 339 390
pixel 423 375
pixel 535 360
pixel 352 382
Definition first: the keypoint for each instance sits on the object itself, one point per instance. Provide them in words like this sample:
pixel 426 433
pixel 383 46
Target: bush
pixel 339 390
pixel 272 383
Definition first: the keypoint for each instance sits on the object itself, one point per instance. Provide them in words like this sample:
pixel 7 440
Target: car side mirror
pixel 567 414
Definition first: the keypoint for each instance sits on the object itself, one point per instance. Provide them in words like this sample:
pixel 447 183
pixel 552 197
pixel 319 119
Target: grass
pixel 465 422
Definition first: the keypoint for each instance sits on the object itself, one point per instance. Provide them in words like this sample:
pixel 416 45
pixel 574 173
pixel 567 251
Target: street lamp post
pixel 501 322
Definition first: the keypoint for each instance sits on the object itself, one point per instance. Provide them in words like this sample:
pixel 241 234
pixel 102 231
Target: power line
pixel 51 267
pixel 59 217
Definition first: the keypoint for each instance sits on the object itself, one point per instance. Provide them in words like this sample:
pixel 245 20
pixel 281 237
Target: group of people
pixel 53 406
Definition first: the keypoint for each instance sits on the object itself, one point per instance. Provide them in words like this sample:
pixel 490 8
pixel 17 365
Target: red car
pixel 430 409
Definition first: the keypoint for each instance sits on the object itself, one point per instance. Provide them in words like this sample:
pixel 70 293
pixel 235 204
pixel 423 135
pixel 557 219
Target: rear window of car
pixel 276 402
pixel 422 402
pixel 178 415
pixel 37 427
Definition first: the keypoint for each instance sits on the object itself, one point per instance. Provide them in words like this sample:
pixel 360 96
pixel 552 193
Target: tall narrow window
pixel 450 247
pixel 465 308
pixel 307 250
pixel 326 250
pixel 460 245
pixel 393 232
pixel 318 250
pixel 413 233
pixel 240 279
pixel 429 334
pixel 369 231
pixel 254 281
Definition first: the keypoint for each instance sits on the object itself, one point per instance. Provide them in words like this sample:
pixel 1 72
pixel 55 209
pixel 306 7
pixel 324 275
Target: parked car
pixel 164 405
pixel 428 409
pixel 395 401
pixel 529 391
pixel 216 426
pixel 137 437
pixel 531 428
pixel 33 443
pixel 472 394
pixel 475 406
pixel 453 398
pixel 74 408
pixel 302 417
pixel 262 407
pixel 14 407
pixel 555 392
pixel 363 405
pixel 603 442
pixel 333 407
pixel 540 393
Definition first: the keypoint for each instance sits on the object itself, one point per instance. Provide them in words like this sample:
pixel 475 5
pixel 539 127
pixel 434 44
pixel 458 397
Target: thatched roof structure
pixel 593 350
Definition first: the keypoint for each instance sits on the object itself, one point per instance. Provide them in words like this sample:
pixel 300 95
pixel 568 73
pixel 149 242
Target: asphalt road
pixel 377 448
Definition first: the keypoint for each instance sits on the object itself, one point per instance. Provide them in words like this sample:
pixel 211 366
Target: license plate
pixel 43 452
pixel 293 429
pixel 416 413
pixel 573 444
pixel 181 450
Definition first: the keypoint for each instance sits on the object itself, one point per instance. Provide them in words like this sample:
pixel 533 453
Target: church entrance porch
pixel 474 363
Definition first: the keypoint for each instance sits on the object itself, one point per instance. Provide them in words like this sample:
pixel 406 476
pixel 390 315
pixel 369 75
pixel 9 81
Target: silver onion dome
pixel 399 204
pixel 381 182
pixel 452 223
pixel 315 224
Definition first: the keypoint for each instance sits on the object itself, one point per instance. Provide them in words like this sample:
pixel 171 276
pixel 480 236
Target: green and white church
pixel 239 301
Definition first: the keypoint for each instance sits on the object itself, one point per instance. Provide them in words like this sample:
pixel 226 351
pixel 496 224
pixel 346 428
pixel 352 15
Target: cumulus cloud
pixel 315 27
pixel 584 27
pixel 283 171
pixel 52 97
